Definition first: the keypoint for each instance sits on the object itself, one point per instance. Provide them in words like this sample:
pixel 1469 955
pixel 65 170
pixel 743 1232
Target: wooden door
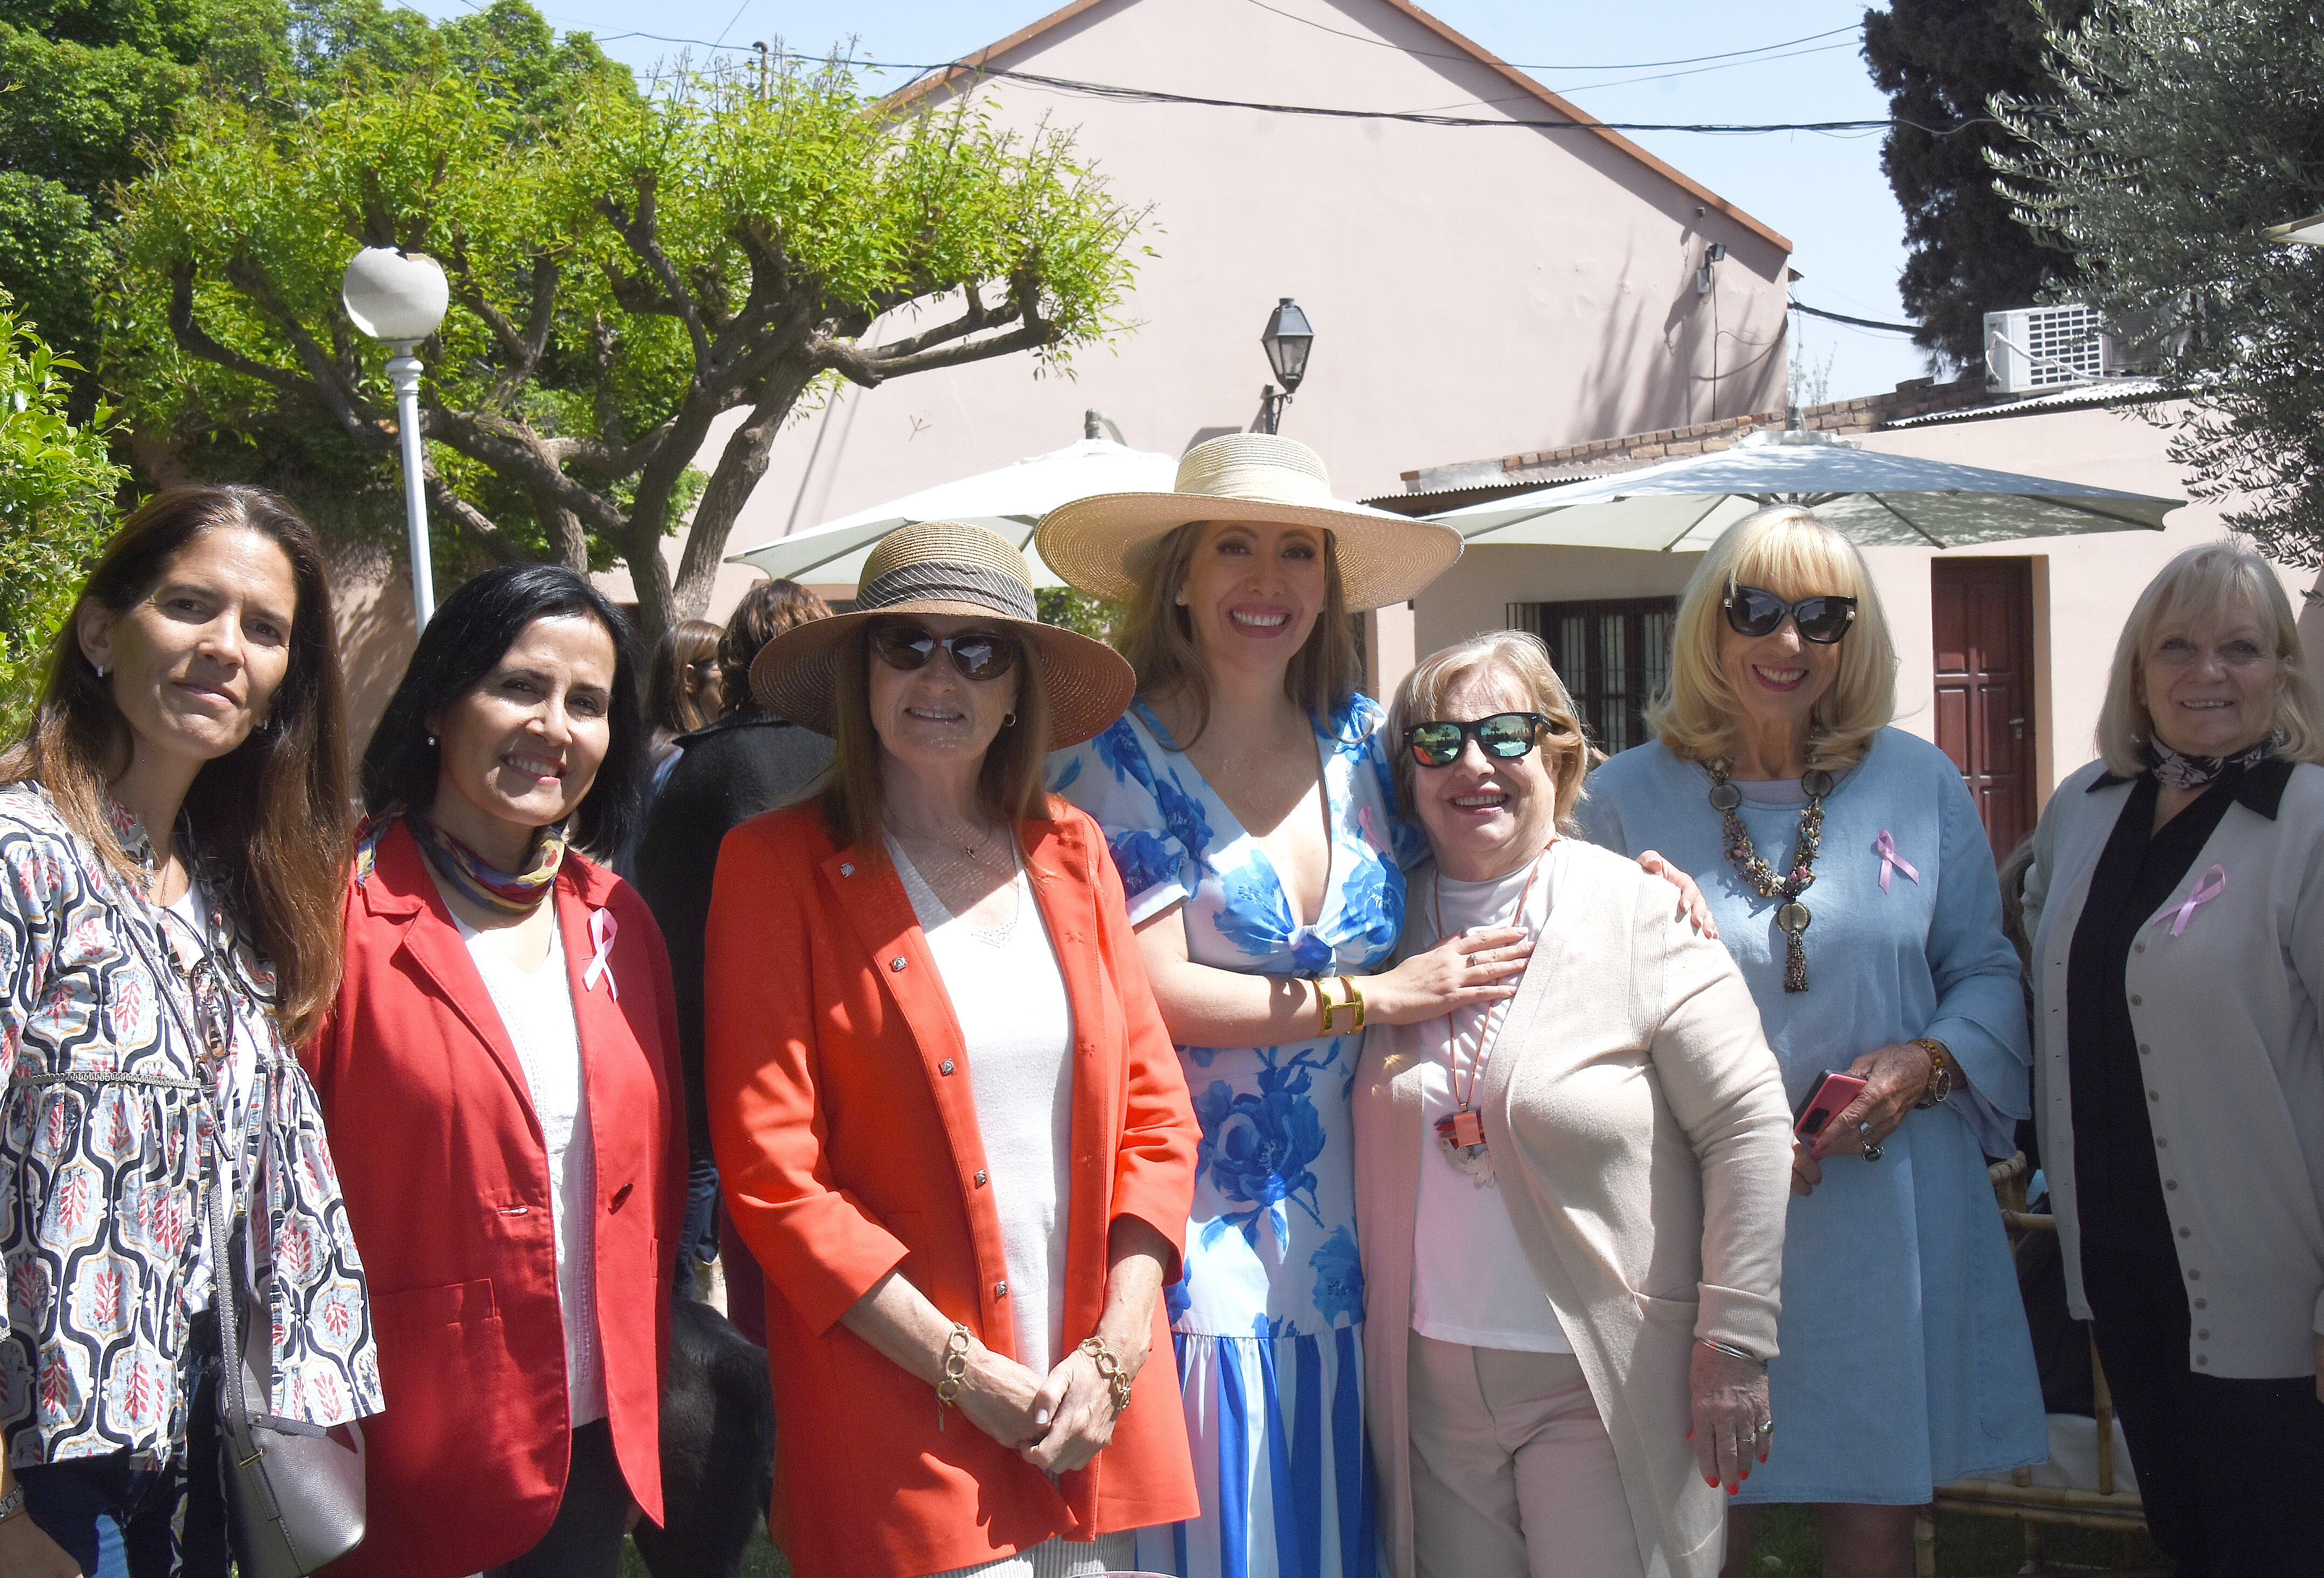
pixel 1983 614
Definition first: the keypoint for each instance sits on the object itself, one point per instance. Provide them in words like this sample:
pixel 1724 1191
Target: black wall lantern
pixel 1287 340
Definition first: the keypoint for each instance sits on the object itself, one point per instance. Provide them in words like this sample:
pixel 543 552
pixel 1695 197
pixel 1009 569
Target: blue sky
pixel 1825 191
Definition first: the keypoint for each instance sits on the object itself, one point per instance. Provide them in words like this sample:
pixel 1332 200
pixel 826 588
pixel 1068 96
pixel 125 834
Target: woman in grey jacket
pixel 2176 905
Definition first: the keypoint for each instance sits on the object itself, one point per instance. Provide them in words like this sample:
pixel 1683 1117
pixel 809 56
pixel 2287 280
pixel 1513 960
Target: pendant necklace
pixel 1792 916
pixel 1462 1135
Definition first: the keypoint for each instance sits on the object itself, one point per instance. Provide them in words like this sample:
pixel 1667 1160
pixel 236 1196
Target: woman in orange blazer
pixel 500 1083
pixel 948 1116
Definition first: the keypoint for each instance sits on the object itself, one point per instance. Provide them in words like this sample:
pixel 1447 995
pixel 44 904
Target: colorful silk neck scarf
pixel 475 879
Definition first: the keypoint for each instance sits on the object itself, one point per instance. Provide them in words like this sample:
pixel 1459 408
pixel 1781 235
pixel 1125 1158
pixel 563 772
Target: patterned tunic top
pixel 106 1120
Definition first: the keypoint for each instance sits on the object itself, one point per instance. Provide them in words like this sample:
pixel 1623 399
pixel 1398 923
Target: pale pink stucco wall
pixel 2084 587
pixel 1473 290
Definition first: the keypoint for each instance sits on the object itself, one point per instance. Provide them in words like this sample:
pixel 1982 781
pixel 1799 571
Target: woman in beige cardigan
pixel 1571 1204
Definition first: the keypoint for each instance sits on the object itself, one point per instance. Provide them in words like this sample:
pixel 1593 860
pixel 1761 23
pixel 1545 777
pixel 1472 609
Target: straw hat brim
pixel 1089 683
pixel 1102 545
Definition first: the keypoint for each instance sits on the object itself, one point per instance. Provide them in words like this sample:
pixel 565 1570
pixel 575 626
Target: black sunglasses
pixel 977 654
pixel 1506 736
pixel 1754 612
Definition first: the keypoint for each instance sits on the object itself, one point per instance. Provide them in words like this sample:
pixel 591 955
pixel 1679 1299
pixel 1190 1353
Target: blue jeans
pixel 698 1240
pixel 112 1514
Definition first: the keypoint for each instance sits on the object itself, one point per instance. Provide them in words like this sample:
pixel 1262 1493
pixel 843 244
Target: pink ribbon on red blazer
pixel 603 929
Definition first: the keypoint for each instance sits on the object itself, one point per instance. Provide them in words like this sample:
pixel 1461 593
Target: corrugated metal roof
pixel 2111 391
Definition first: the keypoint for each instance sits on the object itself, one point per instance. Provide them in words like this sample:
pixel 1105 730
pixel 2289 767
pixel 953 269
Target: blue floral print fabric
pixel 1268 1319
pixel 104 1120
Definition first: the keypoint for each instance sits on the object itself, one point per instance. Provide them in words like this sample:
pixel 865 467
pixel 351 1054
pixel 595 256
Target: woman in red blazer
pixel 948 1119
pixel 500 1083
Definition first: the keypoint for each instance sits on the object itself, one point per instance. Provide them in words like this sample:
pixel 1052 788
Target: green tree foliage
pixel 1940 61
pixel 622 279
pixel 88 88
pixel 2176 132
pixel 56 487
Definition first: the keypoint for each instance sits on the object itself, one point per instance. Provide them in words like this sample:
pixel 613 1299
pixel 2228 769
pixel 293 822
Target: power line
pixel 1118 93
pixel 1859 322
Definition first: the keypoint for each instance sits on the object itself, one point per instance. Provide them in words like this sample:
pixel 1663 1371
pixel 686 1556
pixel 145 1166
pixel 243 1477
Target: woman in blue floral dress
pixel 1240 583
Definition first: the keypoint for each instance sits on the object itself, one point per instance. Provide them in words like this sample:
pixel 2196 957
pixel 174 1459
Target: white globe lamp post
pixel 398 297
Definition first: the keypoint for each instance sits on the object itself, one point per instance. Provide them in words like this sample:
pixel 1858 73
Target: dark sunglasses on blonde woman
pixel 977 654
pixel 1754 612
pixel 1506 736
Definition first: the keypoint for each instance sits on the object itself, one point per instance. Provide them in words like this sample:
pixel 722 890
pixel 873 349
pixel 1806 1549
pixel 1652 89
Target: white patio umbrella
pixel 1879 500
pixel 1011 499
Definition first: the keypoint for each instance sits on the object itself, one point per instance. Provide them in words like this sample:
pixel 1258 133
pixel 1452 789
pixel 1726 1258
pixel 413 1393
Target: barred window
pixel 1613 656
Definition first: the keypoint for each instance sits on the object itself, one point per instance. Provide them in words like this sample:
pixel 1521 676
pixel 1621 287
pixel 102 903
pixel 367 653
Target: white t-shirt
pixel 1016 1028
pixel 1471 1281
pixel 537 1010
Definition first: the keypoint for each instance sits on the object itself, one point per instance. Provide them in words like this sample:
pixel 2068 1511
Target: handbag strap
pixel 224 1284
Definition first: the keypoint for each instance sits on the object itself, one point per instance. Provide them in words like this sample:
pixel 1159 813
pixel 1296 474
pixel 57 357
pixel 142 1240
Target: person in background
pixel 948 1119
pixel 172 830
pixel 499 1071
pixel 1571 1202
pixel 1853 882
pixel 2176 903
pixel 685 689
pixel 745 762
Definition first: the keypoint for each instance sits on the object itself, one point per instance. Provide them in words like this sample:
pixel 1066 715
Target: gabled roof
pixel 968 68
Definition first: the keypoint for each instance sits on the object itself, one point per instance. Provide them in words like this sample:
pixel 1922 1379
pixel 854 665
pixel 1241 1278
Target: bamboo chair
pixel 2113 1504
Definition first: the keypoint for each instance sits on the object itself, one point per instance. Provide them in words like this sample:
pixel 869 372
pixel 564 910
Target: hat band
pixel 1262 484
pixel 948 582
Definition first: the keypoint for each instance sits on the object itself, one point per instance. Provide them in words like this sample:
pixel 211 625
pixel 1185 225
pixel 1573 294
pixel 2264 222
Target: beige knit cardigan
pixel 1643 1142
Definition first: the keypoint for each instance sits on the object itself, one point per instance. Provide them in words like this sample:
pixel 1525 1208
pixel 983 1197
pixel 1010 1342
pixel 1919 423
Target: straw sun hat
pixel 943 567
pixel 1104 545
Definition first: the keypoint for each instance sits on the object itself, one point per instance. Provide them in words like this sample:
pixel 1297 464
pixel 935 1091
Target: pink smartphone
pixel 1827 1099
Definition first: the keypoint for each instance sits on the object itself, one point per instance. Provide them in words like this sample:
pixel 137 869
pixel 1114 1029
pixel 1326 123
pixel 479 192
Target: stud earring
pixel 432 741
pixel 100 671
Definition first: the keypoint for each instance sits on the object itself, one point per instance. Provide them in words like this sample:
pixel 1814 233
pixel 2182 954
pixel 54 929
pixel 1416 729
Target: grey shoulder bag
pixel 295 1491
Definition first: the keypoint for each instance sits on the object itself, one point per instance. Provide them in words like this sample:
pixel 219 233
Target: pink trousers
pixel 1513 1475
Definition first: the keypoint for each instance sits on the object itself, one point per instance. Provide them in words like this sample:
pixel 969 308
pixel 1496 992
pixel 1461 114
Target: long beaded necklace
pixel 1792 916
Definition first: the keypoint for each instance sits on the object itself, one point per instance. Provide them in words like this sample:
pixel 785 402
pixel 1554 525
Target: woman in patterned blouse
pixel 171 832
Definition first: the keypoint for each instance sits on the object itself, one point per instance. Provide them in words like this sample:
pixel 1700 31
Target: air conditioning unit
pixel 2029 349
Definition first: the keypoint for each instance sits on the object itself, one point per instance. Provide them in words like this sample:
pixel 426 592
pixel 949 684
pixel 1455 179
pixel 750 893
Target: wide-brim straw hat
pixel 1105 545
pixel 947 566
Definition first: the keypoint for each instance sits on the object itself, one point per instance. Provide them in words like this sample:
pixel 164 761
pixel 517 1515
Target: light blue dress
pixel 1269 1320
pixel 1906 1360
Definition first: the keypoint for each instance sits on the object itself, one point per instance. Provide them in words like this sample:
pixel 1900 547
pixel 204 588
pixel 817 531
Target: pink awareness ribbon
pixel 2214 884
pixel 601 932
pixel 1890 860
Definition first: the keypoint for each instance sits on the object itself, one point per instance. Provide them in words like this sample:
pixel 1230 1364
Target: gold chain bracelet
pixel 1110 1370
pixel 955 1370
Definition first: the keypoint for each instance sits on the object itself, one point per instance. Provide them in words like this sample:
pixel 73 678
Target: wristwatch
pixel 12 1504
pixel 1940 1072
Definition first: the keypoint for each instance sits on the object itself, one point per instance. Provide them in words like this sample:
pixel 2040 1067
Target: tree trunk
pixel 741 466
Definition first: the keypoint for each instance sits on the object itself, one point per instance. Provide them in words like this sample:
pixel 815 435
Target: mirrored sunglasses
pixel 976 654
pixel 1753 611
pixel 1505 736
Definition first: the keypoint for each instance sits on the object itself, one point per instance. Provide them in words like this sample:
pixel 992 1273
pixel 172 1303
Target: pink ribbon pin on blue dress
pixel 1891 862
pixel 2214 884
